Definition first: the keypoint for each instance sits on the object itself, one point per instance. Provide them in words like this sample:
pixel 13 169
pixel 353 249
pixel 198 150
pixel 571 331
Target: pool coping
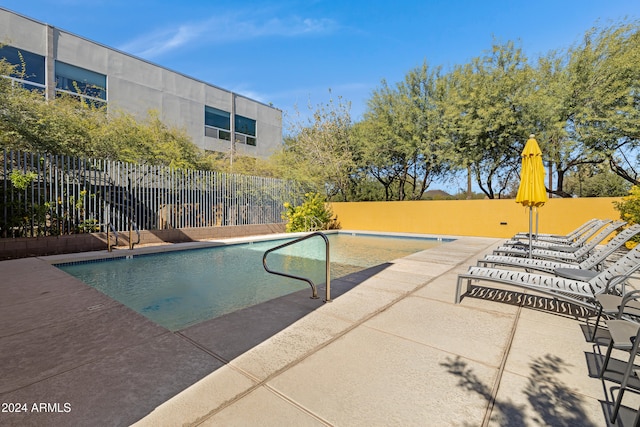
pixel 161 248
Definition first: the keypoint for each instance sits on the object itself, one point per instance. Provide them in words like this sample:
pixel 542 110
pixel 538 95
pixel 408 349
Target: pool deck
pixel 391 349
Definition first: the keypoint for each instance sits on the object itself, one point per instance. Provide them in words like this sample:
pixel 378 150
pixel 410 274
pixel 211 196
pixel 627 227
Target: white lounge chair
pixel 571 246
pixel 549 266
pixel 579 292
pixel 571 236
pixel 576 254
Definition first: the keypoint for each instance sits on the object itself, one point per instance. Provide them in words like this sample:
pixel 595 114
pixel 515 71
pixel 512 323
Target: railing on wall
pixel 43 194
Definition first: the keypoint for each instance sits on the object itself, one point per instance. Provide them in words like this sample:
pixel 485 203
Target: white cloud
pixel 244 90
pixel 227 28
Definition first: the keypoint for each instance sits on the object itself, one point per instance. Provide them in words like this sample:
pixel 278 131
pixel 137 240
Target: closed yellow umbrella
pixel 531 193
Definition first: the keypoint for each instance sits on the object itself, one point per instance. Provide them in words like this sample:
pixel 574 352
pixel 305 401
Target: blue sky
pixel 290 53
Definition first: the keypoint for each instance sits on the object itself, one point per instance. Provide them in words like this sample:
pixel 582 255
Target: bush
pixel 629 209
pixel 313 214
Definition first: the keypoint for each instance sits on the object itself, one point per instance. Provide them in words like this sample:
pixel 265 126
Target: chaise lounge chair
pixel 560 245
pixel 570 237
pixel 549 266
pixel 556 253
pixel 580 292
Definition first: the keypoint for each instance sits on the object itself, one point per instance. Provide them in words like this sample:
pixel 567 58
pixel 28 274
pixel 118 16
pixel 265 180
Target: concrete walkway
pixel 394 350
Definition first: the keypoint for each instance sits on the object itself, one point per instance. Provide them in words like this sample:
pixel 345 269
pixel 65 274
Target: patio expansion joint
pixel 496 384
pixel 505 355
pixel 201 347
pixel 260 384
pixel 297 405
pixel 257 385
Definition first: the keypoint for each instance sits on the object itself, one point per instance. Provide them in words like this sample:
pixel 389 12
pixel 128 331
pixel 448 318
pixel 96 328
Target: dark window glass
pixel 217 118
pixel 32 88
pixel 33 70
pixel 89 101
pixel 81 81
pixel 245 125
pixel 224 135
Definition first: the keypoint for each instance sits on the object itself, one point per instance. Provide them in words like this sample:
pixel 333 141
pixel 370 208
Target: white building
pixel 58 61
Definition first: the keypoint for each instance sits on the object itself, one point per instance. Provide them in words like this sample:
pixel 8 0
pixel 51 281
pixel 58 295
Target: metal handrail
pixel 132 225
pixel 113 229
pixel 314 291
pixel 312 223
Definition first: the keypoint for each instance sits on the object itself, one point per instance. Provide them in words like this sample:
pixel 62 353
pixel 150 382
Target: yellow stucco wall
pixel 488 218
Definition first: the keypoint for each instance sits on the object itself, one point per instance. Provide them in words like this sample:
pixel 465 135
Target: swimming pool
pixel 181 288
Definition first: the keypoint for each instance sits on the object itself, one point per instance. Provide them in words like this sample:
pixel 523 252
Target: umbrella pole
pixel 537 213
pixel 530 231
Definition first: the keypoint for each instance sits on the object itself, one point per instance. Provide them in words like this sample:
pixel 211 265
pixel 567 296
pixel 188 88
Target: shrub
pixel 22 180
pixel 629 209
pixel 313 214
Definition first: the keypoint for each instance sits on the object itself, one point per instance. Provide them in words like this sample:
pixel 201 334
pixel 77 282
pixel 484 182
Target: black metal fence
pixel 43 194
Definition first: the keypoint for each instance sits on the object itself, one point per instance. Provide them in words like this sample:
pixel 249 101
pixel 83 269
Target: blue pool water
pixel 182 288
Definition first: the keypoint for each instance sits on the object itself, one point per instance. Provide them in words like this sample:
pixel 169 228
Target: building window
pixel 76 81
pixel 217 123
pixel 29 67
pixel 245 130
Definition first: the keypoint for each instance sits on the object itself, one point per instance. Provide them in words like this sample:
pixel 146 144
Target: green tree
pixel 487 116
pixel 243 165
pixel 145 141
pixel 401 137
pixel 383 155
pixel 596 181
pixel 375 175
pixel 319 151
pixel 67 125
pixel 553 106
pixel 605 71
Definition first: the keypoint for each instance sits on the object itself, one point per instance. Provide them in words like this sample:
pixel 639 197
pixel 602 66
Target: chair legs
pixel 595 327
pixel 623 386
pixel 625 336
pixel 606 359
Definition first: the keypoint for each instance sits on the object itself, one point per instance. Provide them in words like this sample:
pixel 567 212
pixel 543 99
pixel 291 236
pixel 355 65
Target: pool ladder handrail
pixel 314 290
pixel 113 230
pixel 312 223
pixel 132 227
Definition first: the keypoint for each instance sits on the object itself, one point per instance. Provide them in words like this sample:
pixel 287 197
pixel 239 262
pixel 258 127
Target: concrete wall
pixel 53 245
pixel 490 218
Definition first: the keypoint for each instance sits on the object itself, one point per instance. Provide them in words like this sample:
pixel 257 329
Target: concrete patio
pixel 392 349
